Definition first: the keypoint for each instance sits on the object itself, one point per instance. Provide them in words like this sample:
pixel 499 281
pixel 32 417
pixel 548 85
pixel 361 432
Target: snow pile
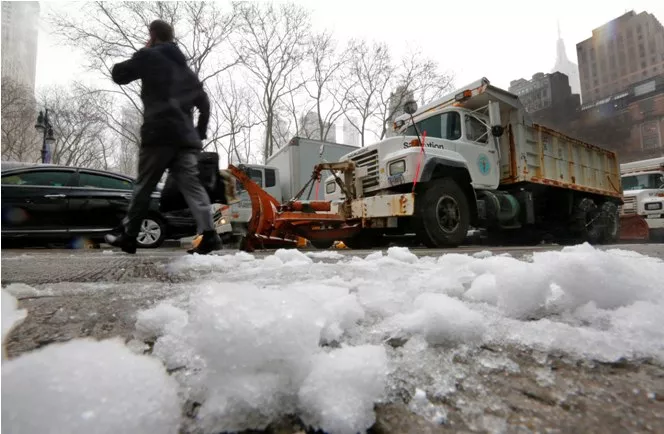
pixel 155 322
pixel 254 355
pixel 252 340
pixel 84 386
pixel 339 393
pixel 11 315
pixel 325 255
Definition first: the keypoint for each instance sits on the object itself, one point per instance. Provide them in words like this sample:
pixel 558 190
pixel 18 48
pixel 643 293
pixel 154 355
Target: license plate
pixel 395 180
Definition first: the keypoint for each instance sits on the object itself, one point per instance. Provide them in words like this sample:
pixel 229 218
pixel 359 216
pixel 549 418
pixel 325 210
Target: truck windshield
pixel 445 126
pixel 256 175
pixel 642 182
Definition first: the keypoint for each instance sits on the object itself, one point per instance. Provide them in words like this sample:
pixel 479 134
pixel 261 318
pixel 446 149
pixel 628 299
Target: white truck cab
pixel 459 136
pixel 643 192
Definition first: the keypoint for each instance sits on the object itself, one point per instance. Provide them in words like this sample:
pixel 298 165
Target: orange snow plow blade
pixel 275 225
pixel 634 228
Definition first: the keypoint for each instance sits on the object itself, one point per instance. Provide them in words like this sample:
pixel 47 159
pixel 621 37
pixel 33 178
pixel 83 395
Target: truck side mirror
pixel 410 107
pixel 497 129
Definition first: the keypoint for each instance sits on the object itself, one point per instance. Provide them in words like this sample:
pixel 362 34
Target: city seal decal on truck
pixel 484 164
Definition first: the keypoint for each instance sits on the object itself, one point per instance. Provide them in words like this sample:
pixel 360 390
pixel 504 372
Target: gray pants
pixel 183 165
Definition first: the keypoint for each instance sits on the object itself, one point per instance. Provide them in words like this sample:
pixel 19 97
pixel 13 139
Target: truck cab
pixel 459 137
pixel 643 192
pixel 267 178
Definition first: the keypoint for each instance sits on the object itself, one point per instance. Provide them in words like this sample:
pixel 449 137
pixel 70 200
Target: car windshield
pixel 642 182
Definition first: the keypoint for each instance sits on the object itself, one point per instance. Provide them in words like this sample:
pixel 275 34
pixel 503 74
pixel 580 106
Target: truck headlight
pixel 653 206
pixel 397 168
pixel 330 187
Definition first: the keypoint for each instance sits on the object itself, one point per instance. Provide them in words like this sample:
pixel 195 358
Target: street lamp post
pixel 44 125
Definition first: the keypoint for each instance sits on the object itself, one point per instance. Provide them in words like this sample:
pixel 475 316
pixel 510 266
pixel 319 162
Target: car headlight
pixel 330 187
pixel 397 168
pixel 653 206
pixel 223 221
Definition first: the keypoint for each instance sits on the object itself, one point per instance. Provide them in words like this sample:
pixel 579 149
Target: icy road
pixel 508 340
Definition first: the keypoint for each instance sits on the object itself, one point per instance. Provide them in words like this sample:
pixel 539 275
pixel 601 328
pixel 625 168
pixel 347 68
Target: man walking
pixel 169 140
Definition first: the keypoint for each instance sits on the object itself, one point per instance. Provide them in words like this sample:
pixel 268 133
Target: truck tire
pixel 611 221
pixel 586 224
pixel 443 214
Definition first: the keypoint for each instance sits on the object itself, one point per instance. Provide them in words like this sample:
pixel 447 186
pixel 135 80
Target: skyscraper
pixel 621 53
pixel 310 128
pixel 565 66
pixel 20 32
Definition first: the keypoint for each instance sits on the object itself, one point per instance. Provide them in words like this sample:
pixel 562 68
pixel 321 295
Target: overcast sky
pixel 501 40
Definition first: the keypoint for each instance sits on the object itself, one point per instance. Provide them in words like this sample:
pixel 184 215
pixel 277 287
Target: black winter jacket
pixel 170 91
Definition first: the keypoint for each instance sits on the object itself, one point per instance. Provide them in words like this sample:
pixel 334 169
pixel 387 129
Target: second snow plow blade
pixel 634 228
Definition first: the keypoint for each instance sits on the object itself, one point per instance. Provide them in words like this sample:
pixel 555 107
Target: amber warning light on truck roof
pixel 463 95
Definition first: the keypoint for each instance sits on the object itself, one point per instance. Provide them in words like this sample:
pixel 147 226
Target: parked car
pixel 58 202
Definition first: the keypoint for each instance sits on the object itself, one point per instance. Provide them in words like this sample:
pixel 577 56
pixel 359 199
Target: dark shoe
pixel 123 241
pixel 210 242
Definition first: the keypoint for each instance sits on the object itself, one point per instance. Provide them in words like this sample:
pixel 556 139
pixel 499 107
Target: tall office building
pixel 310 128
pixel 566 66
pixel 548 98
pixel 621 53
pixel 20 32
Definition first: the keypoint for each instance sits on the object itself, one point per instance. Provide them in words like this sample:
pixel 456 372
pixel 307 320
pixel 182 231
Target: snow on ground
pixel 327 336
pixel 295 332
pixel 11 315
pixel 83 386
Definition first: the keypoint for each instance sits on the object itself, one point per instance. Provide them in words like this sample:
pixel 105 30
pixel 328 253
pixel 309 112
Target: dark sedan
pixel 60 202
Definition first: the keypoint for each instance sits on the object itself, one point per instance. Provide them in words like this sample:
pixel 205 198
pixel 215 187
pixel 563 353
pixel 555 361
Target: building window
pixel 650 137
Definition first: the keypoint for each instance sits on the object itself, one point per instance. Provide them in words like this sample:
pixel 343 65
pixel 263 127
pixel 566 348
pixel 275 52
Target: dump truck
pixel 474 158
pixel 643 195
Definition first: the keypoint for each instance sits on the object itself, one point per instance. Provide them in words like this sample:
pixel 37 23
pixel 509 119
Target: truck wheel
pixel 611 222
pixel 587 225
pixel 443 214
pixel 322 244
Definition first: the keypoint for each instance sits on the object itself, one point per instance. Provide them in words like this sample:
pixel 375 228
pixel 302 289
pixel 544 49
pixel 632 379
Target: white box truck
pixel 295 163
pixel 643 193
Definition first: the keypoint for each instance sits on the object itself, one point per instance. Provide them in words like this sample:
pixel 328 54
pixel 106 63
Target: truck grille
pixel 370 161
pixel 629 207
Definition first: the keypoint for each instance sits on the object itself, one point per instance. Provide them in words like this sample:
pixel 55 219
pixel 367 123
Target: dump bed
pixel 534 153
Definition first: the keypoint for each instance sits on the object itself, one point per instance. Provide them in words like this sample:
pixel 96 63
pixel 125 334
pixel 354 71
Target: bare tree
pixel 325 87
pixel 234 112
pixel 108 32
pixel 19 137
pixel 127 138
pixel 272 46
pixel 79 132
pixel 367 78
pixel 416 77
